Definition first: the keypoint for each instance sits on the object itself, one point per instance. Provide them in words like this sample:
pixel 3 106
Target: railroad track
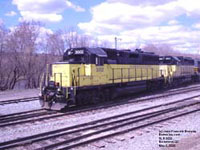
pixel 20 113
pixel 41 114
pixel 77 135
pixel 18 118
pixel 167 93
pixel 19 100
pixel 184 88
pixel 11 101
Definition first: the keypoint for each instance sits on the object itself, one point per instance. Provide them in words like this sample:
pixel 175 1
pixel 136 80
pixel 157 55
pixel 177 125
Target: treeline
pixel 164 50
pixel 26 49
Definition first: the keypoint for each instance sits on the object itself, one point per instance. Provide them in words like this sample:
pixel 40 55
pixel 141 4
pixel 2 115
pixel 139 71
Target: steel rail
pixel 105 129
pixel 125 131
pixel 38 137
pixel 18 100
pixel 26 116
pixel 82 110
pixel 20 113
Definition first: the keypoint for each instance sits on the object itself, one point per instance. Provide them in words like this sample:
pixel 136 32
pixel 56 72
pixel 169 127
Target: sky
pixel 133 22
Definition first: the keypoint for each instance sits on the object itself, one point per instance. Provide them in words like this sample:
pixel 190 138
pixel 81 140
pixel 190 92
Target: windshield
pixel 74 56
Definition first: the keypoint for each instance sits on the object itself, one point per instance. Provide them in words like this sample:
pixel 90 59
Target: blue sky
pixel 70 17
pixel 172 22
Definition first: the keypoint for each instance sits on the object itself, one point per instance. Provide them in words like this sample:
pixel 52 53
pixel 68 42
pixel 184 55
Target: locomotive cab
pixel 169 68
pixel 67 76
pixel 169 60
pixel 197 66
pixel 72 56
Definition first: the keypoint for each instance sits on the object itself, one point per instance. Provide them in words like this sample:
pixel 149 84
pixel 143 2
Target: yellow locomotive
pixel 177 70
pixel 91 75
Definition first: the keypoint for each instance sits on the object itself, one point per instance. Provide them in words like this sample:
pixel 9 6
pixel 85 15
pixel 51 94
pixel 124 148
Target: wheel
pixel 79 100
pixel 107 95
pixel 101 96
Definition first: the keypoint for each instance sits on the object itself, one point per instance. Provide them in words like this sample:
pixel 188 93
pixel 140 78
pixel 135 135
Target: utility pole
pixel 116 39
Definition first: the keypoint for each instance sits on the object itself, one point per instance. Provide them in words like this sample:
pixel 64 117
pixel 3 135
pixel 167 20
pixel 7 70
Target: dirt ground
pixel 189 143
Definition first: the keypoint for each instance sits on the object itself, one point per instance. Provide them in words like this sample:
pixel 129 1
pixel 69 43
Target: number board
pixel 78 52
pixel 70 52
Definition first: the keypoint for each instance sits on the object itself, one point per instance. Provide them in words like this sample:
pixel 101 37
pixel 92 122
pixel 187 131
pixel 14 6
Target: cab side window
pixel 99 61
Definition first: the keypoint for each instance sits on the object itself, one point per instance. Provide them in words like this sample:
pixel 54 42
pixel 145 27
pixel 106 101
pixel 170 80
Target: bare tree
pixel 165 49
pixel 22 45
pixel 73 39
pixel 162 49
pixel 4 61
pixel 55 43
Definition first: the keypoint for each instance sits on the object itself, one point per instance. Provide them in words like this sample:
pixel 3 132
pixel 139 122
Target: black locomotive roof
pixel 128 51
pixel 109 56
pixel 172 58
pixel 176 60
pixel 102 52
pixel 97 51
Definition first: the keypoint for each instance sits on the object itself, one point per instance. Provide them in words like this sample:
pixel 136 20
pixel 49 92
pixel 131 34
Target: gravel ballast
pixel 148 138
pixel 144 139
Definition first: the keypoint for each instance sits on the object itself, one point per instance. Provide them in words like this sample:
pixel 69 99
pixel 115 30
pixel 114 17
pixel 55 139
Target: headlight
pixel 43 88
pixel 51 94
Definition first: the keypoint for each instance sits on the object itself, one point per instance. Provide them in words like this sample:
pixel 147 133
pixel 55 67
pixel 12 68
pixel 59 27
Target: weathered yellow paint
pixel 171 71
pixel 61 74
pixel 89 74
pixel 196 70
